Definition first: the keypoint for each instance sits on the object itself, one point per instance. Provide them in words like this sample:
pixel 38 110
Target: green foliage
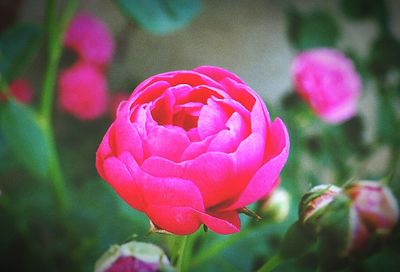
pixel 25 137
pixel 384 55
pixel 362 9
pixel 17 46
pixel 315 29
pixel 160 17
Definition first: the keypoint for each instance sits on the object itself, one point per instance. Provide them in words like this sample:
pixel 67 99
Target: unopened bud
pixel 133 256
pixel 276 206
pixel 314 203
pixel 374 213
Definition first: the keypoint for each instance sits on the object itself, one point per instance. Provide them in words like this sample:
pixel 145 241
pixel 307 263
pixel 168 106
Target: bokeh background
pixel 252 38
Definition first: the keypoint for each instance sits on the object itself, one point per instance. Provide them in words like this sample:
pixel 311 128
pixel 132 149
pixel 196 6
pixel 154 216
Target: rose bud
pixel 132 257
pixel 327 80
pixel 314 203
pixel 374 213
pixel 276 206
pixel 193 147
pixel 90 38
pixel 116 100
pixel 83 91
pixel 21 90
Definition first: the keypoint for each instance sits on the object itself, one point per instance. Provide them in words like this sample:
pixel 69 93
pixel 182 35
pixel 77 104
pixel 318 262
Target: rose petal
pixel 222 222
pixel 161 167
pixel 163 191
pixel 195 149
pixel 162 108
pixel 175 78
pixel 229 139
pixel 186 220
pixel 120 178
pixel 263 181
pixel 213 173
pixel 177 220
pixel 249 156
pixel 167 142
pixel 149 93
pixel 217 73
pixel 212 119
pixel 127 138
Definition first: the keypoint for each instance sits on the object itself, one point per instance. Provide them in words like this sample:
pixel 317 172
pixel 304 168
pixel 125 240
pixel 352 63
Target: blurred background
pixel 255 39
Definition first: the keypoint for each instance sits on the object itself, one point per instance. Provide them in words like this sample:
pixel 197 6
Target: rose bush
pixel 327 80
pixel 193 147
pixel 83 91
pixel 90 38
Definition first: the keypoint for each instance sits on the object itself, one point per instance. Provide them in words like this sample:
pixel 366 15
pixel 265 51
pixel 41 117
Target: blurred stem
pixel 4 89
pixel 55 32
pixel 271 264
pixel 178 252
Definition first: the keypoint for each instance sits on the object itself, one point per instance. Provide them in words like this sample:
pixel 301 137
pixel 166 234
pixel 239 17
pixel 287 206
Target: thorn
pixel 250 213
pixel 205 228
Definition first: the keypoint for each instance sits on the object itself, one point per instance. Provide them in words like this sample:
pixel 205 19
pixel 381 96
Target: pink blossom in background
pixel 193 147
pixel 90 38
pixel 116 99
pixel 327 80
pixel 83 91
pixel 21 90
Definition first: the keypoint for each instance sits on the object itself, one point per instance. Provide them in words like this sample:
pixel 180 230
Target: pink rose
pixel 83 91
pixel 21 89
pixel 327 80
pixel 116 99
pixel 193 147
pixel 90 38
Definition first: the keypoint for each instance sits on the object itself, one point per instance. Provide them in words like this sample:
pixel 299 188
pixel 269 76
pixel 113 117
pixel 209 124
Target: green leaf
pixel 160 16
pixel 25 137
pixel 17 46
pixel 314 29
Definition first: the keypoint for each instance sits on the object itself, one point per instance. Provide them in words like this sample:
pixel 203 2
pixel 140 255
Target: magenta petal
pixel 213 173
pixel 228 140
pixel 263 181
pixel 163 191
pixel 177 220
pixel 127 138
pixel 168 142
pixel 120 178
pixel 212 119
pixel 249 156
pixel 150 93
pixel 195 149
pixel 103 152
pixel 161 167
pixel 217 73
pixel 222 222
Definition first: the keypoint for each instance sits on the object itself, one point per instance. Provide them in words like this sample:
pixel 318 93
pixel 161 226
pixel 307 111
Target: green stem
pixel 271 264
pixel 178 253
pixel 55 32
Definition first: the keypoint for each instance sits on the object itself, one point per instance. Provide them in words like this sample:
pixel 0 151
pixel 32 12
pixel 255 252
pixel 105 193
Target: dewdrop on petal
pixel 134 256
